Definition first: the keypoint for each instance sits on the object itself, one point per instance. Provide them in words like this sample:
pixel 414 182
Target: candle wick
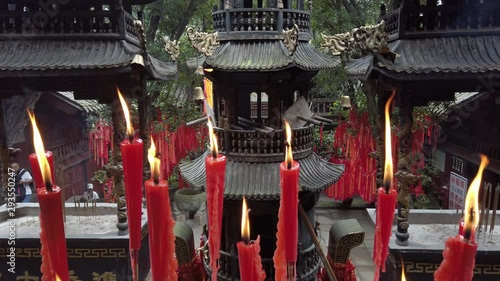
pixel 387 187
pixel 48 186
pixel 156 179
pixel 214 154
pixel 131 138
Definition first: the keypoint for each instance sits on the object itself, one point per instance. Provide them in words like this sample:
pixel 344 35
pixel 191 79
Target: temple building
pixel 434 50
pixel 261 65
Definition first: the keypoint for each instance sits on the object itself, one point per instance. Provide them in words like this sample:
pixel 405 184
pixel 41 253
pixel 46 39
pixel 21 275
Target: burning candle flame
pixel 154 162
pixel 288 146
pixel 40 153
pixel 213 140
pixel 388 167
pixel 126 112
pixel 57 278
pixel 471 212
pixel 245 222
pixel 403 276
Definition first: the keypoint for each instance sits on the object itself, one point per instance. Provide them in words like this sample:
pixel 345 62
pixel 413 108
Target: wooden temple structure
pixel 85 47
pixel 261 50
pixel 435 49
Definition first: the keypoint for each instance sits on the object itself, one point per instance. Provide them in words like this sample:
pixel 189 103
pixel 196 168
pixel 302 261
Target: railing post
pixel 279 28
pixel 121 24
pixel 228 21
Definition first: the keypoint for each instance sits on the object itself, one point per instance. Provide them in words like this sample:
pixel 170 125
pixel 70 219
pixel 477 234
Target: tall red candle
pixel 248 251
pixel 51 211
pixel 386 201
pixel 132 154
pixel 285 255
pixel 459 255
pixel 35 168
pixel 46 267
pixel 215 165
pixel 160 224
pixel 461 227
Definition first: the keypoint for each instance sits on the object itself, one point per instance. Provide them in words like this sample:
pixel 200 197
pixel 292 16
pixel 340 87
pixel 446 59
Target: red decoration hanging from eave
pixel 100 141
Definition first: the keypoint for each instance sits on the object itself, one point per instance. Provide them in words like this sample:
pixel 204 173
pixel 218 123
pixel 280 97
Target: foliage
pixel 100 176
pixel 421 201
pixel 104 115
pixel 324 150
pixel 174 115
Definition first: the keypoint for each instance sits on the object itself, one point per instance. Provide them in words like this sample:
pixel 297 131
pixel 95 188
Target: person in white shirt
pixel 23 177
pixel 90 194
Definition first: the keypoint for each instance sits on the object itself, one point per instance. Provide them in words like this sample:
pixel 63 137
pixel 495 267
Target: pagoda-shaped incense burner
pixel 260 65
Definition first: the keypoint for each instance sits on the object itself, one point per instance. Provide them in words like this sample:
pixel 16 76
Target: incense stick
pixel 487 207
pixel 483 203
pixel 495 207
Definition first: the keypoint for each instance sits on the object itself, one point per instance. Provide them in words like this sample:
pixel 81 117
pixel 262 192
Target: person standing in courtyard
pixel 90 194
pixel 24 181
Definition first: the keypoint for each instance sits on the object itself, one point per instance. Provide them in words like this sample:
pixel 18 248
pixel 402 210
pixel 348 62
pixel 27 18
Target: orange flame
pixel 403 276
pixel 126 112
pixel 388 167
pixel 154 162
pixel 245 222
pixel 40 152
pixel 288 147
pixel 471 213
pixel 213 139
pixel 57 278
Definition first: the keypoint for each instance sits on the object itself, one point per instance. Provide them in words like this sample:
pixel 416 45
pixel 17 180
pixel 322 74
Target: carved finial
pixel 139 28
pixel 291 39
pixel 337 44
pixel 204 42
pixel 172 47
pixel 366 39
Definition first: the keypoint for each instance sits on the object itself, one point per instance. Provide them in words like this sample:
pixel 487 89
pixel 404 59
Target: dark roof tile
pixel 261 181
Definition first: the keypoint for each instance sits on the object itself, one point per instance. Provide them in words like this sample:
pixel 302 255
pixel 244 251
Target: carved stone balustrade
pixel 253 146
pixel 25 19
pixel 260 23
pixel 420 21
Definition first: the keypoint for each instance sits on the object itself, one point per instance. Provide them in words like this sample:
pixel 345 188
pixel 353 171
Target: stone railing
pixel 253 146
pixel 308 263
pixel 69 149
pixel 262 22
pixel 414 21
pixel 18 22
pixel 321 106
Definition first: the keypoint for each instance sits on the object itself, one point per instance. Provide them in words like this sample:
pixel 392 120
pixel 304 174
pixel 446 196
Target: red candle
pixel 386 201
pixel 46 267
pixel 132 155
pixel 35 168
pixel 285 255
pixel 459 255
pixel 215 165
pixel 160 224
pixel 51 211
pixel 461 226
pixel 248 251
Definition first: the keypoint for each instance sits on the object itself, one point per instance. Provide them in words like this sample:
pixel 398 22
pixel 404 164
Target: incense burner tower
pixel 261 65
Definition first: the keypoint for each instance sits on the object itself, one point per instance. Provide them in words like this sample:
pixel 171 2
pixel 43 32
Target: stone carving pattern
pixel 291 39
pixel 172 47
pixel 15 116
pixel 139 28
pixel 181 251
pixel 365 39
pixel 204 43
pixel 116 172
pixel 346 244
